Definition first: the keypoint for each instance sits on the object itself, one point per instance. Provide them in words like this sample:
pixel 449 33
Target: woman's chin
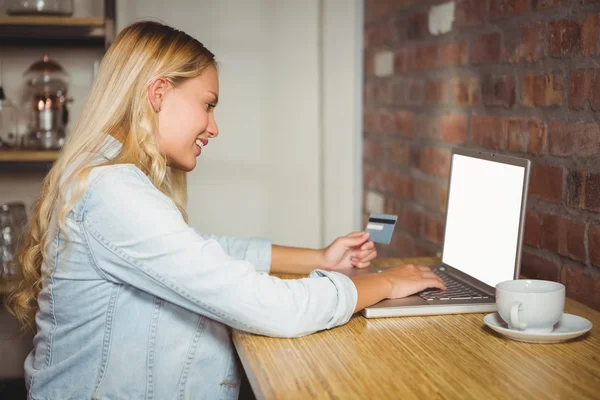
pixel 186 166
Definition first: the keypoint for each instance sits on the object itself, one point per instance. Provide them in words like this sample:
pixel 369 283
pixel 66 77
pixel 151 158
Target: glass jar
pixel 37 7
pixel 45 105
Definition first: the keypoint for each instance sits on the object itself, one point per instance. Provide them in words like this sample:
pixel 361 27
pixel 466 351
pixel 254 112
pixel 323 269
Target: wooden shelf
pixel 56 30
pixel 22 156
pixel 51 21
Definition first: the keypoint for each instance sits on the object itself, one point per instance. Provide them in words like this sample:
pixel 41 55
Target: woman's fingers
pixel 365 255
pixel 368 246
pixel 362 264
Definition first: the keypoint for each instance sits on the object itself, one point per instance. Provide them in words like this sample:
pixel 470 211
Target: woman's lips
pixel 200 143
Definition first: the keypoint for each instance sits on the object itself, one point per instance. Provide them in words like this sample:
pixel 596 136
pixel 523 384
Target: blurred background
pixel 333 109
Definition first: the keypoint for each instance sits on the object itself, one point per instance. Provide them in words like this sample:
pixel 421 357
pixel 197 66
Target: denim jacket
pixel 138 305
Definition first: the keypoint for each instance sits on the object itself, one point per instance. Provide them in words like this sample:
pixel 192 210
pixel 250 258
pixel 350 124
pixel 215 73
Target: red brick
pixel 403 245
pixel 399 153
pixel 554 234
pixel 576 241
pixel 576 188
pixel 526 135
pixel 453 54
pixel 488 131
pixel 546 182
pixel 436 92
pixel 582 284
pixel 499 90
pixel 379 121
pixel 443 198
pixel 542 90
pixel 536 267
pixel 426 57
pixel 383 94
pixel 417 26
pixel 537 136
pixel 433 228
pixel 427 194
pixel 405 122
pixel 387 122
pixel 579 88
pixel 453 128
pixel 428 126
pixel 577 138
pixel 541 4
pixel 375 9
pixel 369 91
pixel 583 190
pixel 592 193
pixel 594 244
pixel 464 91
pixel 370 121
pixel 594 94
pixel 369 65
pixel 435 161
pixel 410 220
pixel 379 36
pixel 563 236
pixel 370 177
pixel 517 134
pixel 589 36
pixel 527 45
pixel 508 8
pixel 403 60
pixel 533 230
pixel 400 185
pixel 487 48
pixel 372 149
pixel 408 92
pixel 563 38
pixel 584 86
pixel 468 13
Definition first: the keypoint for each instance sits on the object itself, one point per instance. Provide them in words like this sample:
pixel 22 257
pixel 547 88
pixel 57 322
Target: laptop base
pixel 416 306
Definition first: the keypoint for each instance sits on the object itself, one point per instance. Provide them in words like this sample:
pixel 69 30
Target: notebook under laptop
pixel 483 237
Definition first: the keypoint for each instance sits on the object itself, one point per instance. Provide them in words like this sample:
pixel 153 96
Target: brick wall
pixel 520 77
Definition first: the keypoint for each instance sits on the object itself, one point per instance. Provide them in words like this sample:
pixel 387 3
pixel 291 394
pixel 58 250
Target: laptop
pixel 487 195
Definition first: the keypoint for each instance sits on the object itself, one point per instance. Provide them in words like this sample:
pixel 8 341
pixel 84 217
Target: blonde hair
pixel 118 105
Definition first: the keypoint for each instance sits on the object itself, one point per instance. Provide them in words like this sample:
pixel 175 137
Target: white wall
pixel 341 80
pixel 287 108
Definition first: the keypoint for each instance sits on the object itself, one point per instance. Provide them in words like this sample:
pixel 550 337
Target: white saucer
pixel 570 326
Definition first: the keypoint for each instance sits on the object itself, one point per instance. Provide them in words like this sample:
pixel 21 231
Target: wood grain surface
pixel 434 357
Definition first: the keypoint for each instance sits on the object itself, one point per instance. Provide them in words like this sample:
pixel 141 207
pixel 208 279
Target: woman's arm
pixel 295 260
pixel 136 236
pixel 353 250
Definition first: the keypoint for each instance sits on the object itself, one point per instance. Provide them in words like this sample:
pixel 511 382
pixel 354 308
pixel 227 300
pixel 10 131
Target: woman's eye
pixel 209 106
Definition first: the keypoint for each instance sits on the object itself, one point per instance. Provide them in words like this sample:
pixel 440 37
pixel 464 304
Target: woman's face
pixel 186 119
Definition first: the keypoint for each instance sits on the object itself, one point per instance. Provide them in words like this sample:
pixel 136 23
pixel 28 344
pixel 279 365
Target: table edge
pixel 248 370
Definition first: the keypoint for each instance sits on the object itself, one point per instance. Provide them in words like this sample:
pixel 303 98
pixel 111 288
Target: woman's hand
pixel 353 250
pixel 409 279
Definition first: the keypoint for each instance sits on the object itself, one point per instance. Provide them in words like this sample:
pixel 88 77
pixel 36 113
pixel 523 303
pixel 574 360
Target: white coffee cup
pixel 530 305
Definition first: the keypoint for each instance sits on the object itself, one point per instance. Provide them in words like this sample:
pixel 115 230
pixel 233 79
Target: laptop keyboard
pixel 455 290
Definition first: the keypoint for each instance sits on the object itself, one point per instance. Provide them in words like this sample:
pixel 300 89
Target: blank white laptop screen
pixel 482 225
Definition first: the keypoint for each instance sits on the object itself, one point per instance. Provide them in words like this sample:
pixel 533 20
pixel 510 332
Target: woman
pixel 127 301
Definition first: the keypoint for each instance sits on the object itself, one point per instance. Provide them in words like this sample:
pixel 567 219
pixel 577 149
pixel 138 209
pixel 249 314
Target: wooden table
pixel 435 357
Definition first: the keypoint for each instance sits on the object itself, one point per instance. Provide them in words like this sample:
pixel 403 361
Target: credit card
pixel 381 227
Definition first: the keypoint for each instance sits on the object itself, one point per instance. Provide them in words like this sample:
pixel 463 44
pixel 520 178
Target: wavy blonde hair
pixel 118 105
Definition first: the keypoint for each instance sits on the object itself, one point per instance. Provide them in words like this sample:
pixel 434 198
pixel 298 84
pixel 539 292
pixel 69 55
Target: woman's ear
pixel 156 92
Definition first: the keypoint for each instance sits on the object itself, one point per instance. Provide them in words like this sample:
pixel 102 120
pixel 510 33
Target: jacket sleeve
pixel 256 251
pixel 137 237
